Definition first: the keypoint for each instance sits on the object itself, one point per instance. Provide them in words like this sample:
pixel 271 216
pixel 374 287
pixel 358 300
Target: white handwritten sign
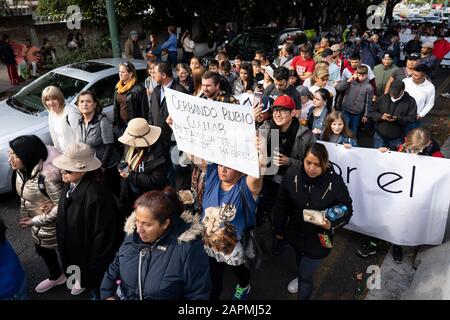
pixel 218 132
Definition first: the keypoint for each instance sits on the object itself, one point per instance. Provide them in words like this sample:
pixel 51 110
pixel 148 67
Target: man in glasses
pixel 289 150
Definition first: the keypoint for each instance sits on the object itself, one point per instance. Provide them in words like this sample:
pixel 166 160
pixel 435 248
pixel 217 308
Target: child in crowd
pixel 336 131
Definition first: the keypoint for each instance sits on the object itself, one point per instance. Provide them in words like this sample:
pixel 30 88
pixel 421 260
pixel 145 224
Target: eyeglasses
pixel 280 110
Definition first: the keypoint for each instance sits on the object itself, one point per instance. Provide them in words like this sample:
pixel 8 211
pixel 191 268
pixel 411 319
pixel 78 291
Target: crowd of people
pixel 183 228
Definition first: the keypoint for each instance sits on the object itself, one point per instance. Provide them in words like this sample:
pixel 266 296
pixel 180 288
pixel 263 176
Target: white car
pixel 24 114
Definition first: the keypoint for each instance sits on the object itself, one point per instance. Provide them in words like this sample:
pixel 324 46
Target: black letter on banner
pixel 349 170
pixel 337 167
pixel 399 177
pixel 412 181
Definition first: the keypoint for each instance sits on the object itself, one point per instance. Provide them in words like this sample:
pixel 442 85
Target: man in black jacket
pixel 159 112
pixel 281 87
pixel 391 115
pixel 158 107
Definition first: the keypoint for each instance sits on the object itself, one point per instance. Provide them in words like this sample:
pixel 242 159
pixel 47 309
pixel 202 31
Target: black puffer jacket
pixel 298 192
pixel 137 104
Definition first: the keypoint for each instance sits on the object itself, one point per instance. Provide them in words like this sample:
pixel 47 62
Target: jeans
pixel 216 270
pixel 379 141
pixel 352 121
pixel 306 269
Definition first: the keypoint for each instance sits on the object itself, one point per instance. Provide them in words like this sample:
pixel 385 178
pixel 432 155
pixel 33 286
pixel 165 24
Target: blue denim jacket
pixel 170 44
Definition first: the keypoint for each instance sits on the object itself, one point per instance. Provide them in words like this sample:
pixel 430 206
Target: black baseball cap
pixel 413 56
pixel 396 88
pixel 327 52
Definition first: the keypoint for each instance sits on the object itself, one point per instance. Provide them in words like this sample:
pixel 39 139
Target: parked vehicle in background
pixel 264 38
pixel 24 114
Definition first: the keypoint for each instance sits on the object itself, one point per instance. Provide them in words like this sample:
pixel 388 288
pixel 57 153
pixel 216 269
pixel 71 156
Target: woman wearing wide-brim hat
pixel 145 163
pixel 88 226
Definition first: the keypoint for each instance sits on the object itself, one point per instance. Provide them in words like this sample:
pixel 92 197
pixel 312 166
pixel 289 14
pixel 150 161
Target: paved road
pixel 336 278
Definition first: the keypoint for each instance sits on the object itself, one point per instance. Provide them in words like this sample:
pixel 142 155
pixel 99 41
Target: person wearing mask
pixel 313 186
pixel 412 61
pixel 38 184
pixel 13 281
pixel 423 91
pixel 145 164
pixel 133 49
pixel 171 46
pixel 304 63
pixel 94 129
pixel 167 241
pixel 130 98
pixel 88 227
pixel 391 114
pixel 62 119
pixel 358 98
pixel 383 72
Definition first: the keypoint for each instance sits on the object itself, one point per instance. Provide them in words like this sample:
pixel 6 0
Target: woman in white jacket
pixel 61 118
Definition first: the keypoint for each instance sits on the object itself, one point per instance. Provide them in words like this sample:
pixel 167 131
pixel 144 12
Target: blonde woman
pixel 62 119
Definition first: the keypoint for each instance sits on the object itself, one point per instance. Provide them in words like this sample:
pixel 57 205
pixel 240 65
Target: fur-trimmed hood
pixel 195 229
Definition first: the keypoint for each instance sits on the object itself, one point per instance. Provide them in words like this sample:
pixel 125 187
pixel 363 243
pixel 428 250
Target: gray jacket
pixel 358 96
pixel 98 134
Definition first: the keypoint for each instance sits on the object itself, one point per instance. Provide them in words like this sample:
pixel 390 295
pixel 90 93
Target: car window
pixel 104 90
pixel 29 98
pixel 239 41
pixel 261 41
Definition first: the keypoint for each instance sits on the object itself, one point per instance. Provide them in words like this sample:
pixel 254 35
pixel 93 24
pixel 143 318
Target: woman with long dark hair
pixel 39 186
pixel 311 203
pixel 322 103
pixel 245 81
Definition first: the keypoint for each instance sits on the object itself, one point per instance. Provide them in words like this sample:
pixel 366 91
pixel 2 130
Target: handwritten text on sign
pixel 218 132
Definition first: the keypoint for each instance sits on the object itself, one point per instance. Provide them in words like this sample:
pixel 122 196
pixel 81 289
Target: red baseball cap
pixel 285 102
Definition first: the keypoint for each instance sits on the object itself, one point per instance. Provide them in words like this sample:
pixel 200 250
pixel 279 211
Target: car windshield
pixel 29 99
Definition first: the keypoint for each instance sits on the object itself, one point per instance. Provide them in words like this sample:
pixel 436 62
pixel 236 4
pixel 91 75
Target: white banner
pixel 397 197
pixel 218 132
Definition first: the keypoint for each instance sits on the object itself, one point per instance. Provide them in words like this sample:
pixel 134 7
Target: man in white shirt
pixel 422 90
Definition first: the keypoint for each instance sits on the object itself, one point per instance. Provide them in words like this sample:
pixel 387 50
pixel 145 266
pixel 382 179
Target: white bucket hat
pixel 78 157
pixel 140 134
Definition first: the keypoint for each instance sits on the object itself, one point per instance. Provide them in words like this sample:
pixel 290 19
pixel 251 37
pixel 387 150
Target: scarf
pixel 287 139
pixel 134 157
pixel 121 89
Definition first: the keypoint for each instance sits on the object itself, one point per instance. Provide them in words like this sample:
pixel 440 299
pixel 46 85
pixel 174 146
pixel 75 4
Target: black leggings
pixel 216 270
pixel 51 260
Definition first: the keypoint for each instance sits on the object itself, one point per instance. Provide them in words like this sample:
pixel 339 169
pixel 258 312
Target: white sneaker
pixel 293 286
pixel 446 95
pixel 77 289
pixel 47 284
